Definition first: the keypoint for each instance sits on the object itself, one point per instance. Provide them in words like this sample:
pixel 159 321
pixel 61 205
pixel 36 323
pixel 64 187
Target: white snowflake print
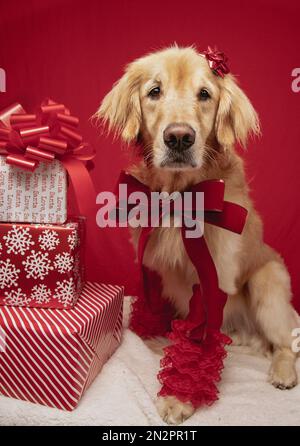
pixel 73 239
pixel 16 297
pixel 48 240
pixel 37 265
pixel 9 274
pixel 41 294
pixel 18 240
pixel 63 262
pixel 65 292
pixel 0 249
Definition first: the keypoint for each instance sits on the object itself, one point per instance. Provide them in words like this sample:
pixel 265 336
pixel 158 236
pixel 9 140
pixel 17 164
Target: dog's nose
pixel 179 137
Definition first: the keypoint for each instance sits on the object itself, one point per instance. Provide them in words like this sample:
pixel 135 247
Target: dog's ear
pixel 120 110
pixel 236 118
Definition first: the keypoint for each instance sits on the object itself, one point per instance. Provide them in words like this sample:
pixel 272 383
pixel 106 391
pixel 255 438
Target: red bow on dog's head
pixel 217 61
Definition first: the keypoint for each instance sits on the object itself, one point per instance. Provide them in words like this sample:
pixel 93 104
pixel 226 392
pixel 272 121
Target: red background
pixel 73 51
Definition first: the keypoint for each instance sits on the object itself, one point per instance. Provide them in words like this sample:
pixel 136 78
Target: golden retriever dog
pixel 188 121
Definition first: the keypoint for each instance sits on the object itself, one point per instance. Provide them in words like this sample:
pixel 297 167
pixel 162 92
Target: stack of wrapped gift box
pixel 56 330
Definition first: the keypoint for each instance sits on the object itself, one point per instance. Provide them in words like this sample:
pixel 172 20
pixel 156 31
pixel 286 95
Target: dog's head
pixel 173 103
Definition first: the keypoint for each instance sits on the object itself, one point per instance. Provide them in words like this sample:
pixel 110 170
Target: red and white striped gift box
pixel 51 356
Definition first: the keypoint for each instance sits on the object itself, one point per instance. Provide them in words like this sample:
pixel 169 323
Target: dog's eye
pixel 154 93
pixel 204 95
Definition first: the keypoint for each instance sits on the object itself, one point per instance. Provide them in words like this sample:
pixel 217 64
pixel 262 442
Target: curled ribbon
pixel 217 61
pixel 49 133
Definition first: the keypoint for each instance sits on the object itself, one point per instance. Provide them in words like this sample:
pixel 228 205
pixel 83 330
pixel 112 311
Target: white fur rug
pixel 124 394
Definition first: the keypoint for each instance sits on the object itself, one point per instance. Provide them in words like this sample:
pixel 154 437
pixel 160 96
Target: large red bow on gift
pixel 193 363
pixel 50 133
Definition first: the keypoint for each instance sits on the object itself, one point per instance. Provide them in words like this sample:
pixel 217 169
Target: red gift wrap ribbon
pixel 50 133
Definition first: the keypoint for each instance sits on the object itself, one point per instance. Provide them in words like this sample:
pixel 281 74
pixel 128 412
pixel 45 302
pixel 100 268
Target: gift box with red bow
pixel 38 151
pixel 51 356
pixel 42 265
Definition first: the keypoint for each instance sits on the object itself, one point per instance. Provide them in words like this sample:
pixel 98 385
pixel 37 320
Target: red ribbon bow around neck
pixel 192 365
pixel 26 139
pixel 217 61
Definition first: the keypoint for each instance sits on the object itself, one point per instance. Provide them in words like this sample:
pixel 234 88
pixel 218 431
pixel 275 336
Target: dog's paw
pixel 283 376
pixel 173 411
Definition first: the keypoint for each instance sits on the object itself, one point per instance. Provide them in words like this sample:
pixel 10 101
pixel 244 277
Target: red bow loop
pixel 217 211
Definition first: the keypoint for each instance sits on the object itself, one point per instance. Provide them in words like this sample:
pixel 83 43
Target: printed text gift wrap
pixel 34 197
pixel 51 356
pixel 42 265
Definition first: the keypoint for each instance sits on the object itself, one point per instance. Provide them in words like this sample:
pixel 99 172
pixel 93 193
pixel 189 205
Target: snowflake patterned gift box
pixel 33 197
pixel 41 265
pixel 51 356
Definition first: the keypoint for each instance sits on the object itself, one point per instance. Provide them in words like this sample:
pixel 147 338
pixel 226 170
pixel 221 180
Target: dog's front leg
pixel 171 410
pixel 270 296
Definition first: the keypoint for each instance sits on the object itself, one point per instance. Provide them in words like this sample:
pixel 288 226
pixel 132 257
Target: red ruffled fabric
pixel 193 363
pixel 191 368
pixel 151 315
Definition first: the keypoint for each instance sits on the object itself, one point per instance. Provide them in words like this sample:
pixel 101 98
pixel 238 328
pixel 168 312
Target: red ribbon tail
pixel 192 365
pixel 85 193
pixel 85 196
pixel 151 315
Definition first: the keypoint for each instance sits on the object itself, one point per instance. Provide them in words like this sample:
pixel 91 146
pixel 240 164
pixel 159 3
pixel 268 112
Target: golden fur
pixel 258 311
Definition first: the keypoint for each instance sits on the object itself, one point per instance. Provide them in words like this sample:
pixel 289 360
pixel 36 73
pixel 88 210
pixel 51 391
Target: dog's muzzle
pixel 179 137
